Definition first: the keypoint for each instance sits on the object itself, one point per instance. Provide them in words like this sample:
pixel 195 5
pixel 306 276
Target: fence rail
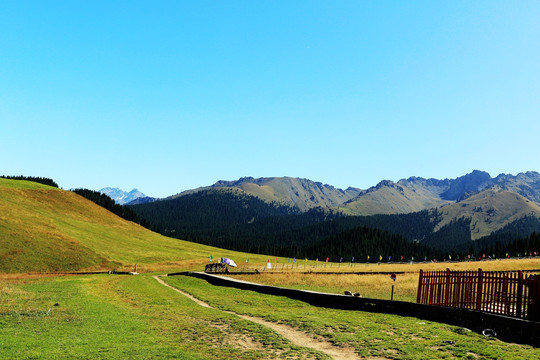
pixel 506 293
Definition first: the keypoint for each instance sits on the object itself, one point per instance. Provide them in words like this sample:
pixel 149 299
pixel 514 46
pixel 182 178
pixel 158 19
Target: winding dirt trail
pixel 296 337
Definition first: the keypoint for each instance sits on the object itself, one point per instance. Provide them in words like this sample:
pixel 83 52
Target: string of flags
pixel 450 257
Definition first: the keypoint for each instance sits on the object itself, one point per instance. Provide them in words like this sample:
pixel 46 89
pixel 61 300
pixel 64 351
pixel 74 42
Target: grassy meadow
pixel 374 336
pixel 121 317
pixel 135 317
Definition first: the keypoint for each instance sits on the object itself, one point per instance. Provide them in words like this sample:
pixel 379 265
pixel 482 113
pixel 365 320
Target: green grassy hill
pixel 489 211
pixel 391 198
pixel 45 229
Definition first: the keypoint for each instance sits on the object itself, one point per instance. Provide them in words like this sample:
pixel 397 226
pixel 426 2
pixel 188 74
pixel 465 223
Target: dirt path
pixel 296 337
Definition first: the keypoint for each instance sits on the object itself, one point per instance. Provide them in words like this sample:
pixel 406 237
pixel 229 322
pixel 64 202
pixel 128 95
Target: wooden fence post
pixel 419 293
pixel 519 303
pixel 479 291
pixel 447 288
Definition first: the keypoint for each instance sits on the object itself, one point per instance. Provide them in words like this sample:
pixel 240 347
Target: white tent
pixel 228 262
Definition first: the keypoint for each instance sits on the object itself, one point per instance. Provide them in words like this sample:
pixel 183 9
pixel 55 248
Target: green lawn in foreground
pixel 135 317
pixel 124 317
pixel 375 335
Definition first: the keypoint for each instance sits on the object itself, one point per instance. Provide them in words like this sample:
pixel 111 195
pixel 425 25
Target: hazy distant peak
pixel 385 183
pixel 120 196
pixel 471 183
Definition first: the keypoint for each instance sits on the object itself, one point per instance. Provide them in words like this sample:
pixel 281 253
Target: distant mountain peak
pixel 120 196
pixel 382 183
pixel 468 184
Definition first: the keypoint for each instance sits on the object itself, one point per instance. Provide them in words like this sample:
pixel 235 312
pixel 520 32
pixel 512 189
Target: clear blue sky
pixel 167 96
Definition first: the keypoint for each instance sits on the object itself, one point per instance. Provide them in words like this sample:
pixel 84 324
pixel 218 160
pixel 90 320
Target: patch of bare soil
pixel 300 338
pixel 295 336
pixel 239 341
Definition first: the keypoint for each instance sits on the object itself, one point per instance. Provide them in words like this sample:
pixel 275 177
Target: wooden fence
pixel 506 293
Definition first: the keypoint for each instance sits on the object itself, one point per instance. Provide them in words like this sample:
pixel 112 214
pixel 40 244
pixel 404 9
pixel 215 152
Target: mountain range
pixel 387 197
pixel 476 203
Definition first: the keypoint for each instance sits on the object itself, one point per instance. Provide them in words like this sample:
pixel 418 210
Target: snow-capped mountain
pixel 120 196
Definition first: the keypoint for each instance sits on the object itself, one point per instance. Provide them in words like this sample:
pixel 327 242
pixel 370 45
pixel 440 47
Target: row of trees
pixel 41 180
pixel 106 202
pixel 526 246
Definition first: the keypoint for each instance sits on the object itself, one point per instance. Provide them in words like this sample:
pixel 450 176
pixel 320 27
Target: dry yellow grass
pixel 376 286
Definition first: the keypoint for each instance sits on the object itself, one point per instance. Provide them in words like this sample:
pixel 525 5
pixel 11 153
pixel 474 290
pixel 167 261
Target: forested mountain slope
pixel 232 219
pixel 489 211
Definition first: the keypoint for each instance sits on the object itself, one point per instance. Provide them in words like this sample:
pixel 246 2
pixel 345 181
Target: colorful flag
pixel 327 259
pixel 211 258
pixel 247 260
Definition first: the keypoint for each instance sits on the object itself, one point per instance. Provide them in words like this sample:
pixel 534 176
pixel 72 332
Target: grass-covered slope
pixel 45 229
pixel 392 198
pixel 489 211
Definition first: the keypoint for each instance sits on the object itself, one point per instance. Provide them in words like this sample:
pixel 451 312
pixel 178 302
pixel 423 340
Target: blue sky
pixel 167 96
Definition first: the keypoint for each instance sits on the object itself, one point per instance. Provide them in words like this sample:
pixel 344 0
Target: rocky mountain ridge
pixel 387 197
pixel 303 194
pixel 415 193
